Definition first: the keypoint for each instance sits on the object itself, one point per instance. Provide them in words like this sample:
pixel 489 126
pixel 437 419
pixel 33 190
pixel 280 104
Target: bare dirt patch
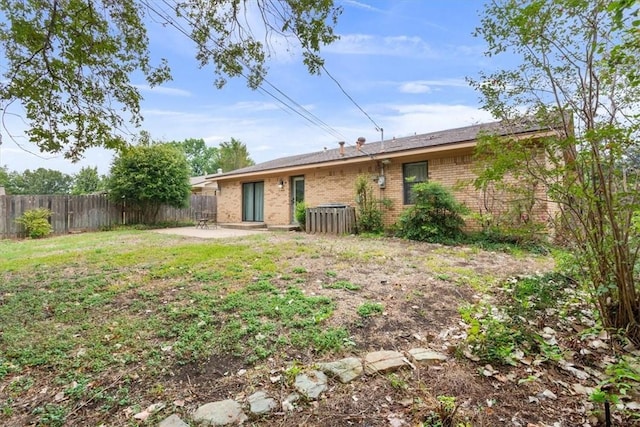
pixel 420 288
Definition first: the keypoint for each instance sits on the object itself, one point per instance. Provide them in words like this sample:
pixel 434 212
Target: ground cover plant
pixel 94 328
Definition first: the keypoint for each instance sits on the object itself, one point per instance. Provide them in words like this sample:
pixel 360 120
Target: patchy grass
pixel 79 308
pixel 369 309
pixel 96 327
pixel 343 284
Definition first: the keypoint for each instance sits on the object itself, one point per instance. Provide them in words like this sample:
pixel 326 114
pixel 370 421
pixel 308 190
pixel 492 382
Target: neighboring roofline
pixel 364 156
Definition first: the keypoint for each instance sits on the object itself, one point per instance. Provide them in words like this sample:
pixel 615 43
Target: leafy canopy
pixel 68 64
pixel 234 155
pixel 202 159
pixel 149 176
pixel 87 181
pixel 39 181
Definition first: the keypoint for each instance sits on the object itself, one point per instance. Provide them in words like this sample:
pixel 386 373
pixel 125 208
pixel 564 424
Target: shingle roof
pixel 197 180
pixel 395 145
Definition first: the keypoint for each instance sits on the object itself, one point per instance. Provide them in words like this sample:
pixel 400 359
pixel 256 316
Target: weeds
pixel 623 380
pixel 502 334
pixel 256 321
pixel 369 309
pixel 397 382
pixel 87 305
pixel 343 284
pixel 444 415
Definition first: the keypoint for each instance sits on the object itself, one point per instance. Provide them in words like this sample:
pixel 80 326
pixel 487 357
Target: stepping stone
pixel 261 403
pixel 424 355
pixel 346 370
pixel 173 421
pixel 220 413
pixel 383 361
pixel 312 384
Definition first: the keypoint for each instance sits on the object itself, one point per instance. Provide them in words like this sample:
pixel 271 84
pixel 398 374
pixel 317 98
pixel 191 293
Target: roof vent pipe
pixel 341 148
pixel 360 142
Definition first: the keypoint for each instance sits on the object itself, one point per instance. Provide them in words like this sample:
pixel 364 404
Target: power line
pixel 301 110
pixel 378 128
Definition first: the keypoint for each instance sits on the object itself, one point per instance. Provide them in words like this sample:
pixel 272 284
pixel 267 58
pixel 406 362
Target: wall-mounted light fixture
pixel 281 183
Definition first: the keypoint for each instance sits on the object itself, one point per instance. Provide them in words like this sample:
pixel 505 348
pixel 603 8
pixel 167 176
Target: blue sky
pixel 403 61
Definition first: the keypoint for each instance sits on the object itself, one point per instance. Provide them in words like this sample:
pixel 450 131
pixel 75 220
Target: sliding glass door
pixel 253 201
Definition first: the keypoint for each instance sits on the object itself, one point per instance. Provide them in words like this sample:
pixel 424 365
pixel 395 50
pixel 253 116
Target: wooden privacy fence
pixel 331 220
pixel 90 212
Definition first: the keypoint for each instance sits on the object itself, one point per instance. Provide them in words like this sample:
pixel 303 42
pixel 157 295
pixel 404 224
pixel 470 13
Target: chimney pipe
pixel 360 142
pixel 341 148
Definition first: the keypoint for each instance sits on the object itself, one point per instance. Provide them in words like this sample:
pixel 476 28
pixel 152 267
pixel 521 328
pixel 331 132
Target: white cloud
pixel 166 113
pixel 163 90
pixel 427 86
pixel 367 44
pixel 407 119
pixel 415 87
pixel 255 106
pixel 361 5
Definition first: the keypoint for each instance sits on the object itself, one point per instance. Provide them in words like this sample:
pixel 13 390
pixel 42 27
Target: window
pixel 412 174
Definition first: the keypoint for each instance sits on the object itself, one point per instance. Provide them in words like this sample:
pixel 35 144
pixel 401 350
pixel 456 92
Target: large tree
pixel 87 181
pixel 234 155
pixel 202 159
pixel 39 181
pixel 149 176
pixel 4 176
pixel 578 75
pixel 69 63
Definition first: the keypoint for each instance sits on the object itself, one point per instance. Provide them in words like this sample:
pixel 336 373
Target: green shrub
pixel 512 227
pixel 369 212
pixel 301 214
pixel 436 216
pixel 36 222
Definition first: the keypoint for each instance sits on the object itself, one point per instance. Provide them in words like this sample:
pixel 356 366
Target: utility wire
pixel 309 116
pixel 301 111
pixel 378 128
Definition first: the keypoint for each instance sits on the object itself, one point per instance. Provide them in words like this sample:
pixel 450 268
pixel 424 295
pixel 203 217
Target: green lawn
pixel 76 310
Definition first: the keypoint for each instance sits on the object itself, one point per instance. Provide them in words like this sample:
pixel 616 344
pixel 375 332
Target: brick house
pixel 267 192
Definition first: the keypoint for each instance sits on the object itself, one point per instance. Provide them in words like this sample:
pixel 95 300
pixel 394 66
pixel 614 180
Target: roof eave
pixel 452 146
pixel 351 160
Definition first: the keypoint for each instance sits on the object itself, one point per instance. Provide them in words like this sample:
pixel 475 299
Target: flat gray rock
pixel 222 413
pixel 311 384
pixel 346 370
pixel 424 355
pixel 383 361
pixel 173 421
pixel 261 403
